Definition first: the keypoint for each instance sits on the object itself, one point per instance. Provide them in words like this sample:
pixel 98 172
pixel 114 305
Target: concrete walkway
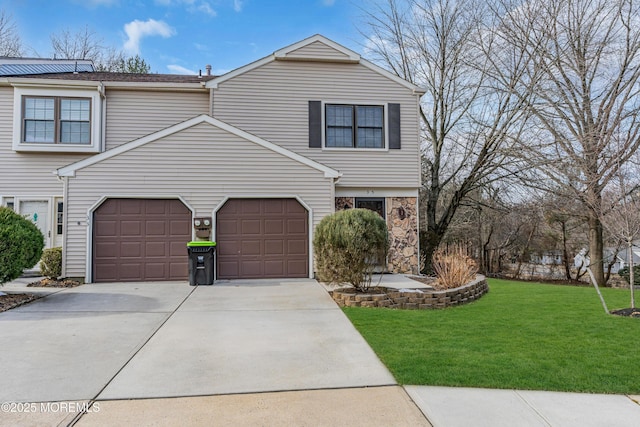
pixel 269 352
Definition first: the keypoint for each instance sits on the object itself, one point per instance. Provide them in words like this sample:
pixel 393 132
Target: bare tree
pixel 10 43
pixel 86 44
pixel 621 219
pixel 470 114
pixel 585 74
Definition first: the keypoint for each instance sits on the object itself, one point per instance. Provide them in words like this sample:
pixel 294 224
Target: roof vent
pixel 208 68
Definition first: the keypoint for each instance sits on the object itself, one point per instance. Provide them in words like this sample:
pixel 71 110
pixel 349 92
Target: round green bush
pixel 21 244
pixel 348 245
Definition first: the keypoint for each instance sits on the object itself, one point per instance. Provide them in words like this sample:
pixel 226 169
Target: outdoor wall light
pixel 401 213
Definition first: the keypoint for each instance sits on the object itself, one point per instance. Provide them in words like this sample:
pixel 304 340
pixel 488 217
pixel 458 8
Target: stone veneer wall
pixel 402 222
pixel 403 231
pixel 413 299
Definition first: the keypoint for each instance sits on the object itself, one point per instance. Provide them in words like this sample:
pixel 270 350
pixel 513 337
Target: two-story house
pixel 117 168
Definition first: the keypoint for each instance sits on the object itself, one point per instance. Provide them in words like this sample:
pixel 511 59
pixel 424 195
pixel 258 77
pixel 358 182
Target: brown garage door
pixel 262 238
pixel 140 239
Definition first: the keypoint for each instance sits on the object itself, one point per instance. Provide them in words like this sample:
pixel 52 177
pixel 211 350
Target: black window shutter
pixel 394 126
pixel 315 124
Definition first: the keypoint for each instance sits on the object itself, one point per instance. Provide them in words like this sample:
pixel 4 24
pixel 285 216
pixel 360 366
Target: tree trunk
pixel 565 252
pixel 428 245
pixel 596 248
pixel 632 278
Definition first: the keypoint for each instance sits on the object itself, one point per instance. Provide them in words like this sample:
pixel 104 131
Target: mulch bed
pixel 54 283
pixel 628 312
pixel 9 301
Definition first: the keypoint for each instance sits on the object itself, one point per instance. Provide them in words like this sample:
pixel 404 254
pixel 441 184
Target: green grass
pixel 518 336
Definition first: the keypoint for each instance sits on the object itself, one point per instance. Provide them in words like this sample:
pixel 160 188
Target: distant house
pixel 553 257
pixel 122 170
pixel 619 257
pixel 25 66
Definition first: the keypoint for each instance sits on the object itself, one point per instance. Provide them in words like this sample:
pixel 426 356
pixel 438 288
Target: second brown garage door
pixel 262 238
pixel 140 239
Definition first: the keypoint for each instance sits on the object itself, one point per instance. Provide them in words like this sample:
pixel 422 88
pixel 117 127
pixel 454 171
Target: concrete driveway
pixel 167 339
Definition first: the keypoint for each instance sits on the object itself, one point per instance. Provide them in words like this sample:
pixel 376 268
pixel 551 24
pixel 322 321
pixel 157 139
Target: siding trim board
pixel 70 170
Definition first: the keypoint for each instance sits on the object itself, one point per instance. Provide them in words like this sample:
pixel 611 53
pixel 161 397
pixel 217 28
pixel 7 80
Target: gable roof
pixel 71 169
pixel 290 53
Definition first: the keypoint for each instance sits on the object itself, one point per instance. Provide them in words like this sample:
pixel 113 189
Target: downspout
pixel 103 117
pixel 65 229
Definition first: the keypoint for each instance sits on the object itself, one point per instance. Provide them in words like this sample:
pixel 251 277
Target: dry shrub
pixel 453 267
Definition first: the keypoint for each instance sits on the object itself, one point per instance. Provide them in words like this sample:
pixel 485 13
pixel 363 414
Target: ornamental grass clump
pixel 453 267
pixel 349 245
pixel 51 263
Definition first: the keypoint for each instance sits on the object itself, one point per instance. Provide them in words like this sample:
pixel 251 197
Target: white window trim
pixel 355 149
pixel 96 115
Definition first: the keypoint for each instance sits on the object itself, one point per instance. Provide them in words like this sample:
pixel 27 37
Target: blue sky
pixel 175 36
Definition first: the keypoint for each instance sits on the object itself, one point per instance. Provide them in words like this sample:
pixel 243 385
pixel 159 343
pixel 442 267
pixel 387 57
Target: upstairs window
pixel 56 120
pixel 354 126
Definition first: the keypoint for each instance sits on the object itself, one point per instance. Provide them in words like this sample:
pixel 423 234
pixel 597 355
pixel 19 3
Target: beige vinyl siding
pixel 317 50
pixel 26 174
pixel 203 164
pixel 271 101
pixel 132 114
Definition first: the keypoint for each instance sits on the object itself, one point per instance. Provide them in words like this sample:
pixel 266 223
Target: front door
pixel 37 211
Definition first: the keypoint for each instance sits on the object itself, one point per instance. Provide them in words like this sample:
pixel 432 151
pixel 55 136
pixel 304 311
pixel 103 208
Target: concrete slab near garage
pixel 70 344
pixel 251 336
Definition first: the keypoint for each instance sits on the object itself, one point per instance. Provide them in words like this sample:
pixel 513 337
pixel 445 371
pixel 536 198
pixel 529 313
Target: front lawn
pixel 518 336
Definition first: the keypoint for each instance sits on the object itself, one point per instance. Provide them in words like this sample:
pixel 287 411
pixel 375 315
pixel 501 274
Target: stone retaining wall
pixel 412 300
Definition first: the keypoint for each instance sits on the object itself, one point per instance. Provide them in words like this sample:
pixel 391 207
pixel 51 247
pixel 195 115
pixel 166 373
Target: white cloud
pixel 328 2
pixel 177 69
pixel 192 6
pixel 237 5
pixel 136 30
pixel 202 7
pixel 96 3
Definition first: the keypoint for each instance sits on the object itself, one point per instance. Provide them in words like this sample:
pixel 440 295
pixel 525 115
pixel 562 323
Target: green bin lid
pixel 200 243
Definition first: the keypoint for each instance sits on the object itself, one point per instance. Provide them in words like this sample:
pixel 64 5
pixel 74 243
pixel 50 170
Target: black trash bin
pixel 201 265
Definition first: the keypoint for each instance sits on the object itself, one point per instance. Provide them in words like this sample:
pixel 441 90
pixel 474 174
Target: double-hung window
pixel 354 126
pixel 56 120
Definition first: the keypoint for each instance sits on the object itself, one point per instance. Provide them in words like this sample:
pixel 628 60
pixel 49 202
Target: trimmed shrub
pixel 453 267
pixel 624 273
pixel 51 263
pixel 21 244
pixel 348 245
